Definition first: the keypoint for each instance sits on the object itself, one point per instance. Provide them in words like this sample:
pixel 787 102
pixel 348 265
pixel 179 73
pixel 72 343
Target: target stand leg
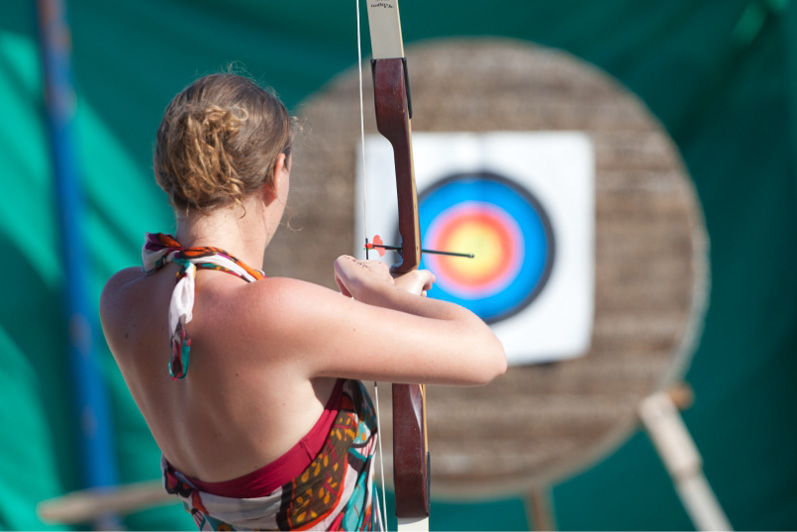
pixel 540 510
pixel 677 450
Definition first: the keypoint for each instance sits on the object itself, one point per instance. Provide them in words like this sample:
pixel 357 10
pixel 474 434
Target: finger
pixel 428 279
pixel 343 262
pixel 342 269
pixel 380 269
pixel 342 287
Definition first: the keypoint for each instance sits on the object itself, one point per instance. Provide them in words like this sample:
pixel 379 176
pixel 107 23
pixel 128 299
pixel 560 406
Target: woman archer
pixel 260 413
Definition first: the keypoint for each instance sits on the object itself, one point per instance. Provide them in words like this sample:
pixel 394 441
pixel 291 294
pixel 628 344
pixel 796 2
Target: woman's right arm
pixel 377 329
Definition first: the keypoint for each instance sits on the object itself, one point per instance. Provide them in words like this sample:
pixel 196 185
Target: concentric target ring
pixel 507 229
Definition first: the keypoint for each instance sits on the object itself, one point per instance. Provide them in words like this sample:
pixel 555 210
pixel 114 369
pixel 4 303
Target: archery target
pixel 503 226
pixel 522 204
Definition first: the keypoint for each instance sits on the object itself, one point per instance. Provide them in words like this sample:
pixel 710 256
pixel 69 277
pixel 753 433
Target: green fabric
pixel 721 76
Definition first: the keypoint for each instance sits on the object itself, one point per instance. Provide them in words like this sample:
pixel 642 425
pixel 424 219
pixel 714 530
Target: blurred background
pixel 690 110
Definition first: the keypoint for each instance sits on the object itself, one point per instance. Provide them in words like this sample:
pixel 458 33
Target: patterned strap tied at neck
pixel 160 249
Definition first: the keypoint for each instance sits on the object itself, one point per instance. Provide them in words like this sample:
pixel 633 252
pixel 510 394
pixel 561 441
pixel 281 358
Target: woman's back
pixel 240 405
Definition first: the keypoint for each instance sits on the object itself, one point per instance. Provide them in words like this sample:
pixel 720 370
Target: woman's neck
pixel 240 231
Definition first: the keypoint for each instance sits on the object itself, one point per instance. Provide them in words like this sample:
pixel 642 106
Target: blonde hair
pixel 219 141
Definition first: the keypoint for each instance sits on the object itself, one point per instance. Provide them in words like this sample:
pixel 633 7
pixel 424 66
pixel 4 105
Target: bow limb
pixel 393 119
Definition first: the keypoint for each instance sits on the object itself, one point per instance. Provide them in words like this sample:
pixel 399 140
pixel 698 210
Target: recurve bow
pixel 393 120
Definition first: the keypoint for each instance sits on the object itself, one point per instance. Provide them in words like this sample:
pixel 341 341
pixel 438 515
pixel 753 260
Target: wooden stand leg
pixel 680 456
pixel 93 504
pixel 540 510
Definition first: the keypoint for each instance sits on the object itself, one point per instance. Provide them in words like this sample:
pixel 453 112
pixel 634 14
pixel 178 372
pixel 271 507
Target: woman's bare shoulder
pixel 124 276
pixel 285 296
pixel 114 288
pixel 287 307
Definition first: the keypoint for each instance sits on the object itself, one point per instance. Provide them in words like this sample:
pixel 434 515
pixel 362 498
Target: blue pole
pixel 98 459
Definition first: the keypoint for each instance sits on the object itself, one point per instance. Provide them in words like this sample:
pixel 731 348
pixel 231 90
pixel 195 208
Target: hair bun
pixel 219 141
pixel 217 122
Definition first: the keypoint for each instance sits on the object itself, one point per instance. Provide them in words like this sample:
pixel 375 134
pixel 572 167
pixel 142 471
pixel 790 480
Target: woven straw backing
pixel 536 423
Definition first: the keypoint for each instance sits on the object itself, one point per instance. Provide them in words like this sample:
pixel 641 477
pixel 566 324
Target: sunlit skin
pixel 265 356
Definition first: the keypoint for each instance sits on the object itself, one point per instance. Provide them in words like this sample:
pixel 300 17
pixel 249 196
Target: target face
pixel 503 226
pixel 523 204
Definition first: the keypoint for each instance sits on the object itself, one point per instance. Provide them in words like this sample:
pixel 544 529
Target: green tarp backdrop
pixel 721 75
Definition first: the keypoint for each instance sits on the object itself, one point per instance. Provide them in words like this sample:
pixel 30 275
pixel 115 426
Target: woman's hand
pixel 415 282
pixel 361 278
pixel 356 278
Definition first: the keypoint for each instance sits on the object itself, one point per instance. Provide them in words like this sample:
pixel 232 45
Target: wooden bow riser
pixel 410 455
pixel 393 122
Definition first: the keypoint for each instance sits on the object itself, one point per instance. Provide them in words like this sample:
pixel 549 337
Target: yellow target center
pixel 486 244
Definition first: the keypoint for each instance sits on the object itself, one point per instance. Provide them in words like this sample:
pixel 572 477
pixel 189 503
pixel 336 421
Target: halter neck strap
pixel 160 249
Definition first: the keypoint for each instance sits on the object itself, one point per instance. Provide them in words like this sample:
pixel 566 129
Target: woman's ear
pixel 282 169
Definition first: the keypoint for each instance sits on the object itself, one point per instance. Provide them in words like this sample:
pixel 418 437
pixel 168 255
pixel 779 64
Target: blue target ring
pixel 506 228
